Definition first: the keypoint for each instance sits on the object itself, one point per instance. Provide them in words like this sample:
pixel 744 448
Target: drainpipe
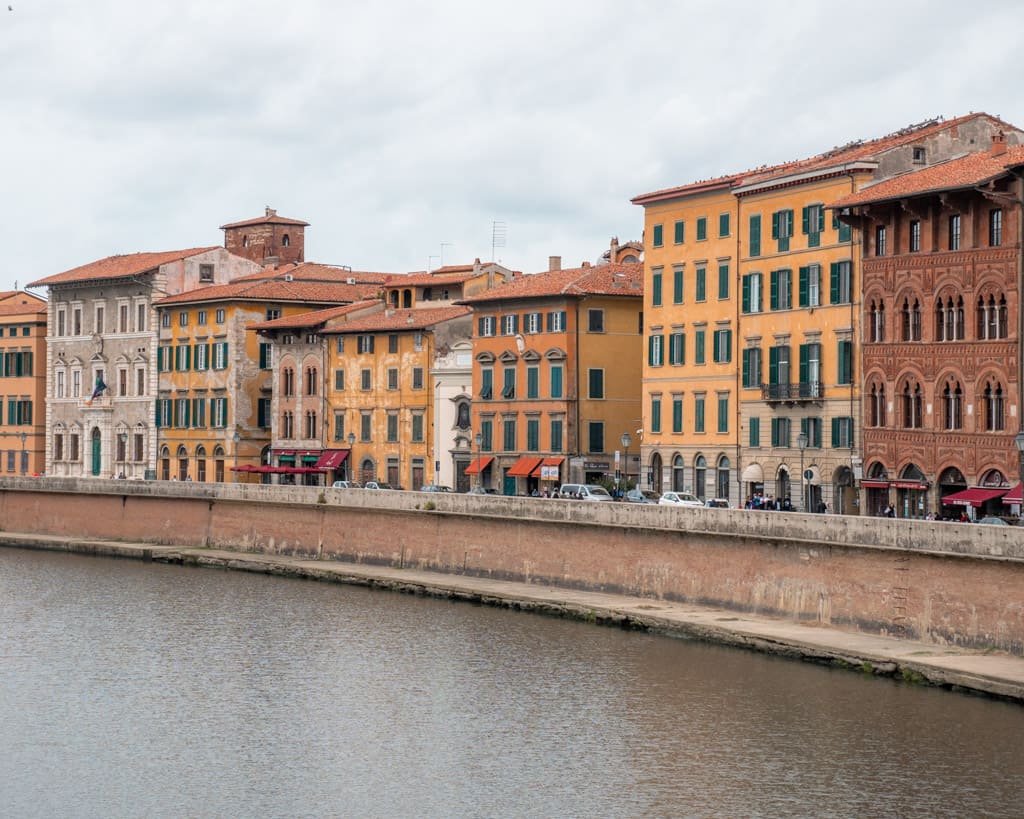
pixel 576 355
pixel 856 249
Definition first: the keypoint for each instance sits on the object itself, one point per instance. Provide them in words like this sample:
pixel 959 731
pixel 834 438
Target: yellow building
pixel 22 383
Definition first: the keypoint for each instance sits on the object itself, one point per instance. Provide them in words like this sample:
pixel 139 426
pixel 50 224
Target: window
pixel 219 412
pixel 392 427
pixel 952 405
pixel 508 389
pixel 58 391
pixel 752 367
pixel 680 232
pixel 811 427
pixel 810 370
pixel 842 432
pixel 723 282
pixel 841 282
pixel 813 224
pixel 782 228
pixel 200 318
pixel 364 344
pixel 486 383
pixel 919 154
pixel 677 285
pixel 778 364
pixel 392 342
pixel 754 248
pixel 272 313
pixel 595 436
pixel 556 321
pixel 61 322
pixel 265 355
pixel 76 321
pixel 263 415
pixel 658 238
pixel 417 427
pixel 677 349
pixel 510 324
pixel 877 409
pixel 702 228
pixel 910 320
pixel 288 382
pixel 122 382
pixel 912 401
pixel 780 432
pixel 392 378
pixel 949 319
pixel 556 434
pixel 206 272
pixel 365 425
pixel 698 413
pixel 508 434
pixel 58 446
pixel 201 355
pixel 532 434
pixel 781 297
pixel 656 350
pixel 182 358
pixel 722 352
pixel 992 318
pixel 995 227
pixel 221 315
pixel 656 287
pixel 880 240
pixel 954 232
pixel 702 274
pixel 199 411
pixel 752 298
pixel 723 412
pixel 723 225
pixel 655 413
pixel 809 286
pixel 595 379
pixel 556 380
pixel 183 319
pixel 99 320
pixel 915 236
pixel 220 355
pixel 533 323
pixel 485 326
pixel 339 345
pixel 417 378
pixel 533 382
pixel 595 321
pixel 677 413
pixel 755 432
pixel 877 316
pixel 993 407
pixel 365 379
pixel 122 319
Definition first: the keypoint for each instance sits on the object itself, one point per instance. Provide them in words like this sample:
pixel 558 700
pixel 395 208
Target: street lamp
pixel 626 441
pixel 122 437
pixel 236 438
pixel 351 443
pixel 24 460
pixel 801 442
pixel 478 439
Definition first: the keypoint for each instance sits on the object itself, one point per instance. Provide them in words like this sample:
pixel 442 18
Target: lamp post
pixel 626 441
pixel 1019 441
pixel 351 444
pixel 236 438
pixel 122 438
pixel 24 460
pixel 478 439
pixel 801 442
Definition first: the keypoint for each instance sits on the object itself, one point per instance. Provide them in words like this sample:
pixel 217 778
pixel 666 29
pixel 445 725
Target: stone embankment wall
pixel 946 583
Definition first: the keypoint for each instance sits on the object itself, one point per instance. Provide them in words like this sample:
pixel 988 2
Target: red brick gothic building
pixel 941 353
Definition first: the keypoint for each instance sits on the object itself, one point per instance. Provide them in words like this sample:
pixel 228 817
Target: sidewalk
pixel 994 673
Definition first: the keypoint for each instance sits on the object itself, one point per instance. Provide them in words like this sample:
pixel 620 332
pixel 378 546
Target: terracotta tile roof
pixel 313 271
pixel 314 318
pixel 417 318
pixel 859 150
pixel 275 290
pixel 962 172
pixel 592 280
pixel 120 267
pixel 26 308
pixel 270 218
pixel 429 279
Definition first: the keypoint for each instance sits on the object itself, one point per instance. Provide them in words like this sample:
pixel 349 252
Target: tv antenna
pixel 499 231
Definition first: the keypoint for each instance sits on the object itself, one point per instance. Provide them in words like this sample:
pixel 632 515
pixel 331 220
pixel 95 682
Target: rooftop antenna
pixel 443 246
pixel 498 232
pixel 429 268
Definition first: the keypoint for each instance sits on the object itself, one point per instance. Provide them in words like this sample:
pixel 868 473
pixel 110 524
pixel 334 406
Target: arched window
pixel 311 380
pixel 678 474
pixel 288 425
pixel 878 320
pixel 876 408
pixel 952 405
pixel 311 431
pixel 722 478
pixel 913 404
pixel 462 415
pixel 700 477
pixel 286 241
pixel 993 407
pixel 992 317
pixel 288 382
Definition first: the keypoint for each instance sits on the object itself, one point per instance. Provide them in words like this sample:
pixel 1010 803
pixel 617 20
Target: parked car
pixel 435 487
pixel 347 485
pixel 680 499
pixel 716 503
pixel 584 491
pixel 994 521
pixel 479 490
pixel 376 485
pixel 641 496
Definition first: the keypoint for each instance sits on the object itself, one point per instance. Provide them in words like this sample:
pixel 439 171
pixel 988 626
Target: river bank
pixel 991 673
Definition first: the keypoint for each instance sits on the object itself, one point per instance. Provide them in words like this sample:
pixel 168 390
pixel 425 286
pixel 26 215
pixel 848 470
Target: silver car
pixel 680 499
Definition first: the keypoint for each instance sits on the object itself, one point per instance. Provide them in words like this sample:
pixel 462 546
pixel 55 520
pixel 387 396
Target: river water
pixel 142 690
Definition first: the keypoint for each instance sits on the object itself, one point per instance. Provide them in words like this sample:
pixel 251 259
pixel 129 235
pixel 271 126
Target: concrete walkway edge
pixel 996 674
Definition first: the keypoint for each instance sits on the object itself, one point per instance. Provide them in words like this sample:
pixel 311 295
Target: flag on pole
pixel 98 390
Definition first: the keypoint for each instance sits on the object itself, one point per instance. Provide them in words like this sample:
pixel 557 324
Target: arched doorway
pixel 678 474
pixel 367 470
pixel 951 481
pixel 700 477
pixel 182 455
pixel 165 463
pixel 655 475
pixel 911 492
pixel 201 463
pixel 752 479
pixel 723 477
pixel 844 496
pixel 784 487
pixel 876 485
pixel 97 452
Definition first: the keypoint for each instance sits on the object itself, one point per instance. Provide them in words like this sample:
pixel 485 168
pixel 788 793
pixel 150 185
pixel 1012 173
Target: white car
pixel 680 499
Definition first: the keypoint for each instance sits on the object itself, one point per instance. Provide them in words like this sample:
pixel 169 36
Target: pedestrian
pixel 890 511
pixel 822 507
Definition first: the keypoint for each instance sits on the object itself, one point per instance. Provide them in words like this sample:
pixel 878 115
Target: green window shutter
pixel 156 414
pixel 658 236
pixel 702 228
pixel 844 232
pixel 680 236
pixel 745 305
pixel 699 355
pixel 532 382
pixel 746 366
pixel 723 281
pixel 804 287
pixel 655 415
pixel 650 351
pixel 804 362
pixel 821 219
pixel 775 224
pixel 698 415
pixel 833 283
pixel 701 283
pixel 845 362
pixel 773 365
pixel 835 433
pixel 677 414
pixel 755 235
pixel 723 224
pixel 728 345
pixel 804 226
pixel 755 432
pixel 677 286
pixel 773 289
pixel 803 429
pixel 188 357
pixel 556 382
pixel 656 290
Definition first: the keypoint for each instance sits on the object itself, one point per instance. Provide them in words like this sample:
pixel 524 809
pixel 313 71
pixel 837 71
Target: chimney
pixel 554 263
pixel 998 143
pixel 270 212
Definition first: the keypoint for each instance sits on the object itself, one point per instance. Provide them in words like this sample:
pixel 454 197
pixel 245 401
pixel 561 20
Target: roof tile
pixel 120 267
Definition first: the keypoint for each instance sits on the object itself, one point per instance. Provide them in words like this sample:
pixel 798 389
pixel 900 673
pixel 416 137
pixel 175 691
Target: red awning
pixel 1013 496
pixel 331 458
pixel 479 465
pixel 868 484
pixel 546 474
pixel 975 496
pixel 909 485
pixel 523 467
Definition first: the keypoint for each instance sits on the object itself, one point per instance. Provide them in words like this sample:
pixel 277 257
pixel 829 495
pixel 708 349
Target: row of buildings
pixel 840 330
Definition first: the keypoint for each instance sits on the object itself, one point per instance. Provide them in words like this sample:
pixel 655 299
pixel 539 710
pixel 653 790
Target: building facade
pixel 22 383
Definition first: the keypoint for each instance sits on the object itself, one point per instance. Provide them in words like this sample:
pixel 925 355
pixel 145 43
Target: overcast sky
pixel 401 131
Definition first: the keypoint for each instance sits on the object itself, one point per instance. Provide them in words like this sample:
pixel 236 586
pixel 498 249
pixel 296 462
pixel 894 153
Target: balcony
pixel 793 393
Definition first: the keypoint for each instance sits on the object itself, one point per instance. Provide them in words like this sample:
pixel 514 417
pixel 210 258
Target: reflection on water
pixel 133 689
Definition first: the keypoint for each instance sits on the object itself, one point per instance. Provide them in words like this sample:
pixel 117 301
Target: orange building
pixel 552 394
pixel 23 380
